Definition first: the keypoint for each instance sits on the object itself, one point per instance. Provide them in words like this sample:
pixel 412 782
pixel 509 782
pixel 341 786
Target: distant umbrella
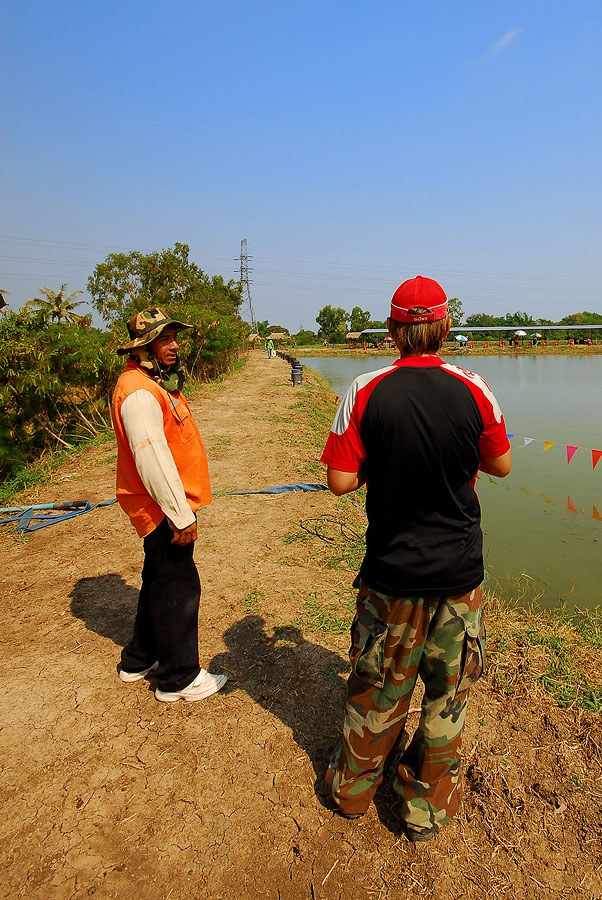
pixel 521 333
pixel 535 334
pixel 460 337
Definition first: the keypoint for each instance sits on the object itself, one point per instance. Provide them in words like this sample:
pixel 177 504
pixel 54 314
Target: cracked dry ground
pixel 106 792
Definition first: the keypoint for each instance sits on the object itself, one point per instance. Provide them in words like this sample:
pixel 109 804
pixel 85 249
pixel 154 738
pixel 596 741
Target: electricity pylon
pixel 245 288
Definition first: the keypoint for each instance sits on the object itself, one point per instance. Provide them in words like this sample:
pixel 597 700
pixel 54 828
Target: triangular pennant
pixel 336 399
pixel 527 441
pixel 571 449
pixel 596 454
pixel 547 445
pixel 570 505
pixel 509 435
pixel 595 513
pixel 492 480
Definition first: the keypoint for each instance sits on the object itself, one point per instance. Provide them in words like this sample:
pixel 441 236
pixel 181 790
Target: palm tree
pixel 56 306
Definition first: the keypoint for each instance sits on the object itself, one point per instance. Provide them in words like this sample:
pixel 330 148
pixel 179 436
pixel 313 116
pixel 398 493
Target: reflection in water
pixel 542 528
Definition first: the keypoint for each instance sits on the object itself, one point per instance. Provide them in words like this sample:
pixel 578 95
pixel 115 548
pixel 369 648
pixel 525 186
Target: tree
pixel 56 306
pixel 263 328
pixel 582 318
pixel 456 311
pixel 517 320
pixel 359 319
pixel 126 283
pixel 55 380
pixel 482 320
pixel 333 323
pixel 305 338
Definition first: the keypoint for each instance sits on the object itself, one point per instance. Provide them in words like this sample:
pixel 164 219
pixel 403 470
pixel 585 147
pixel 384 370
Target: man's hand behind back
pixel 184 536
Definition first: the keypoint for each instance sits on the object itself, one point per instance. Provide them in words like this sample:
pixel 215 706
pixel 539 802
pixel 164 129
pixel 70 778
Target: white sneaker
pixel 203 686
pixel 130 677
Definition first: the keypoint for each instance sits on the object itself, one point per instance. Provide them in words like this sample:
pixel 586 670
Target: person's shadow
pixel 106 605
pixel 301 684
pixel 295 680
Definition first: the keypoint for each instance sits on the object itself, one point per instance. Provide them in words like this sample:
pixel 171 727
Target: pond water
pixel 543 537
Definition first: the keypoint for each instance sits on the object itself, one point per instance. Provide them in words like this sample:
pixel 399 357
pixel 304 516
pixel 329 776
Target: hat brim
pixel 145 339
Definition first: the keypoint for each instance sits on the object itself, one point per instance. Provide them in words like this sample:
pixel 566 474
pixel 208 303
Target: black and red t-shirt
pixel 417 430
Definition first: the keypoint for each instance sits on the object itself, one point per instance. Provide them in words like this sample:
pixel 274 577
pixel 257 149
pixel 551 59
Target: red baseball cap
pixel 419 299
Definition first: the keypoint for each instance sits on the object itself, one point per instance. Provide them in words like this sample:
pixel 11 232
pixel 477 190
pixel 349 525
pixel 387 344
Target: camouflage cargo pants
pixel 395 640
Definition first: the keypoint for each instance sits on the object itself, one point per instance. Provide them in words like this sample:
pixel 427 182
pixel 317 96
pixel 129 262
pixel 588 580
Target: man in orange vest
pixel 162 479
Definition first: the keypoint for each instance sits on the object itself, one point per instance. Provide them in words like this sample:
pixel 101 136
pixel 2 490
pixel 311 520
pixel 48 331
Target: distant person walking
pixel 416 433
pixel 269 346
pixel 162 479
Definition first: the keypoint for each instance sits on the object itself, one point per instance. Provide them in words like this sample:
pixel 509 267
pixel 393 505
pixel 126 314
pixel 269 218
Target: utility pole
pixel 245 288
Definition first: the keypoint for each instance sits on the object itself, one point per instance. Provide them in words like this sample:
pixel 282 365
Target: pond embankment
pixel 475 348
pixel 107 792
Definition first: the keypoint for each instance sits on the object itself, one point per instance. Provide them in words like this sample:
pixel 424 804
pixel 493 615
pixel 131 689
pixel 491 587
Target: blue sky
pixel 352 144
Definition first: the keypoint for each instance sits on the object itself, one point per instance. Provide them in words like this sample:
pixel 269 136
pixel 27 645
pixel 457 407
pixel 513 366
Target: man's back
pixel 420 428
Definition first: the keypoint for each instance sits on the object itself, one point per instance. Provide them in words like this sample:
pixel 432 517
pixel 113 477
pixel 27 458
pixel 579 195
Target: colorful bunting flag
pixel 596 454
pixel 595 513
pixel 547 445
pixel 570 505
pixel 527 441
pixel 571 449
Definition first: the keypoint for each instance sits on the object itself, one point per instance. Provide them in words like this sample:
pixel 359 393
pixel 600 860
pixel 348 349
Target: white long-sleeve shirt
pixel 143 423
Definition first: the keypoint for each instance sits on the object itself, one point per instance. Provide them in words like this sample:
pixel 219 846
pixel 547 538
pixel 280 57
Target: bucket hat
pixel 145 326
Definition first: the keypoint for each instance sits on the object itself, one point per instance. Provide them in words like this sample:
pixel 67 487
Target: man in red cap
pixel 162 479
pixel 416 433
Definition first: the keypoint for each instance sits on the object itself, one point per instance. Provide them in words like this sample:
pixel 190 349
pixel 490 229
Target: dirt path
pixel 106 792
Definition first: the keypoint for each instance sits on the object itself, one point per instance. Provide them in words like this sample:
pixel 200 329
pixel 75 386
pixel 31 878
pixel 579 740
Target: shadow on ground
pixel 295 680
pixel 106 605
pixel 301 683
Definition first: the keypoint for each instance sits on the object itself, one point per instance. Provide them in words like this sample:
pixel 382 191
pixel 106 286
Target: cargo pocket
pixel 473 658
pixel 368 650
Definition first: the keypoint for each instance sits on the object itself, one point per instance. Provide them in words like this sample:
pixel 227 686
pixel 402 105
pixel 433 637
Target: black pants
pixel 166 627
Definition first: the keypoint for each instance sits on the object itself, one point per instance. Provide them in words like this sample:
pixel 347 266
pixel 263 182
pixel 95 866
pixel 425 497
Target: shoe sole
pixel 173 698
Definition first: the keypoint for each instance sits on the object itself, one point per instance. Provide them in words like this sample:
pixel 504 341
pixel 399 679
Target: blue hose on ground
pixel 279 490
pixel 27 519
pixel 25 523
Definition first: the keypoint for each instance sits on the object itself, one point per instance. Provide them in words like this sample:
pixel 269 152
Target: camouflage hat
pixel 145 326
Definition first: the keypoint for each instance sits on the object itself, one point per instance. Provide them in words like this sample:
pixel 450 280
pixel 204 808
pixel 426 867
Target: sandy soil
pixel 106 792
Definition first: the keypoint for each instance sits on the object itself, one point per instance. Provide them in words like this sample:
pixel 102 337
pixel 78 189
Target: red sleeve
pixel 344 449
pixel 494 440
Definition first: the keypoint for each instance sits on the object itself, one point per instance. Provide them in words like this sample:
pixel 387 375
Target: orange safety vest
pixel 183 439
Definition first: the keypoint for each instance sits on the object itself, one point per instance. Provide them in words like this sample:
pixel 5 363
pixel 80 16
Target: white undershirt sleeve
pixel 142 419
